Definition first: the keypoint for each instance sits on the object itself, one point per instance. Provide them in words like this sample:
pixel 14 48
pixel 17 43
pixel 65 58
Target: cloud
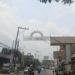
pixel 57 30
pixel 7 22
pixel 47 28
pixel 41 18
pixel 72 7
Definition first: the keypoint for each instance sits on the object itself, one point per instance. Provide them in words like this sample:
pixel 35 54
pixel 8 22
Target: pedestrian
pixel 56 71
pixel 53 72
pixel 39 69
pixel 67 73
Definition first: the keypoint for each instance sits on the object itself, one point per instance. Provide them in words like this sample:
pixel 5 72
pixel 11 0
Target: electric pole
pixel 17 40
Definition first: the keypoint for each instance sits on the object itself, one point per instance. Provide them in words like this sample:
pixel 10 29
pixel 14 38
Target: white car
pixel 26 70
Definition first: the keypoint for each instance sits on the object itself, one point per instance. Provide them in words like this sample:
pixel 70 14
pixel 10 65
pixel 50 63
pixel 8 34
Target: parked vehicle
pixel 6 68
pixel 73 64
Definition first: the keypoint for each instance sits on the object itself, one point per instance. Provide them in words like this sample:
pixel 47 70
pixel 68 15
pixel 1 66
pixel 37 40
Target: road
pixel 44 72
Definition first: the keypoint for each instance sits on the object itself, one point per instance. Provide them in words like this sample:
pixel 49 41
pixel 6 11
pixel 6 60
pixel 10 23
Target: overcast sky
pixel 55 19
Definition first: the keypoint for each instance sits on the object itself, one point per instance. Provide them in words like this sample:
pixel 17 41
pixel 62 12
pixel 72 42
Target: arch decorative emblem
pixel 34 32
pixel 37 38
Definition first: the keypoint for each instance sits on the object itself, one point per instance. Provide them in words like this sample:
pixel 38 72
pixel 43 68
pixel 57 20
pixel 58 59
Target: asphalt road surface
pixel 44 72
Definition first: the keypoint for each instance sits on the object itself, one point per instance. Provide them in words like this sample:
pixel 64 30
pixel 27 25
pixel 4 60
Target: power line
pixel 4 45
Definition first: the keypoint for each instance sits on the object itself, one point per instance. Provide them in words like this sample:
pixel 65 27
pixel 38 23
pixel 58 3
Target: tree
pixel 36 63
pixel 28 60
pixel 64 1
pixel 48 63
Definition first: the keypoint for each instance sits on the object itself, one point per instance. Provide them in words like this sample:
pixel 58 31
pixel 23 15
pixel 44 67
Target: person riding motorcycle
pixel 39 70
pixel 31 70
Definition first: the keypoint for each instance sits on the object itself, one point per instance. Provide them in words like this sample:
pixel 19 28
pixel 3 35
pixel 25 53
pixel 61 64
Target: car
pixel 26 70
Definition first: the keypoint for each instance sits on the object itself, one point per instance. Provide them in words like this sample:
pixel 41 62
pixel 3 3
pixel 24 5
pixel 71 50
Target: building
pixel 12 56
pixel 67 46
pixel 46 57
pixel 65 43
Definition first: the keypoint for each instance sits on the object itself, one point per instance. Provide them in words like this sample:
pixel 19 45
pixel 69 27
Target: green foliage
pixel 6 51
pixel 64 1
pixel 47 63
pixel 36 62
pixel 15 53
pixel 28 60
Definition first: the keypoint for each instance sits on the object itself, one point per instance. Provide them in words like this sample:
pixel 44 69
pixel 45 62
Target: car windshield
pixel 26 68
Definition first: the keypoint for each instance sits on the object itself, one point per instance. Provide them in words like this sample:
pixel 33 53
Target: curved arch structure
pixel 34 32
pixel 42 38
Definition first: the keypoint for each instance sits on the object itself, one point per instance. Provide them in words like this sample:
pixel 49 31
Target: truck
pixel 5 64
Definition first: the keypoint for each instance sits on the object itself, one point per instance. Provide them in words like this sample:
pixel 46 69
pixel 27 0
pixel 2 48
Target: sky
pixel 55 19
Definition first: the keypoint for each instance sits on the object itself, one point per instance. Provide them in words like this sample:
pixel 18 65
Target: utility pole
pixel 17 41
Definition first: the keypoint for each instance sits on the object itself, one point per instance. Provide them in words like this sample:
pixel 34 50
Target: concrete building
pixel 67 44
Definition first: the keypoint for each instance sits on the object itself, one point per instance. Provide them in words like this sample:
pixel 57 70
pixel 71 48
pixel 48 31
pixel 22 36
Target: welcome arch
pixel 35 32
pixel 42 38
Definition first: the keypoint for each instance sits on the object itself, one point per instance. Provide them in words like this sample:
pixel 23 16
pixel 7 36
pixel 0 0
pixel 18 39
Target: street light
pixel 17 41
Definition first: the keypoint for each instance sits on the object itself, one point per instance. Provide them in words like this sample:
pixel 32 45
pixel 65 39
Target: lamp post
pixel 17 41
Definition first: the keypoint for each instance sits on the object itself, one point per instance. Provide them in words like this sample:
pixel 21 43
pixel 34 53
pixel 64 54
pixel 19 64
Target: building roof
pixel 62 40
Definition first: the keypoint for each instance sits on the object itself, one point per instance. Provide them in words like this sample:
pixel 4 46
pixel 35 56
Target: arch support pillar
pixel 68 52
